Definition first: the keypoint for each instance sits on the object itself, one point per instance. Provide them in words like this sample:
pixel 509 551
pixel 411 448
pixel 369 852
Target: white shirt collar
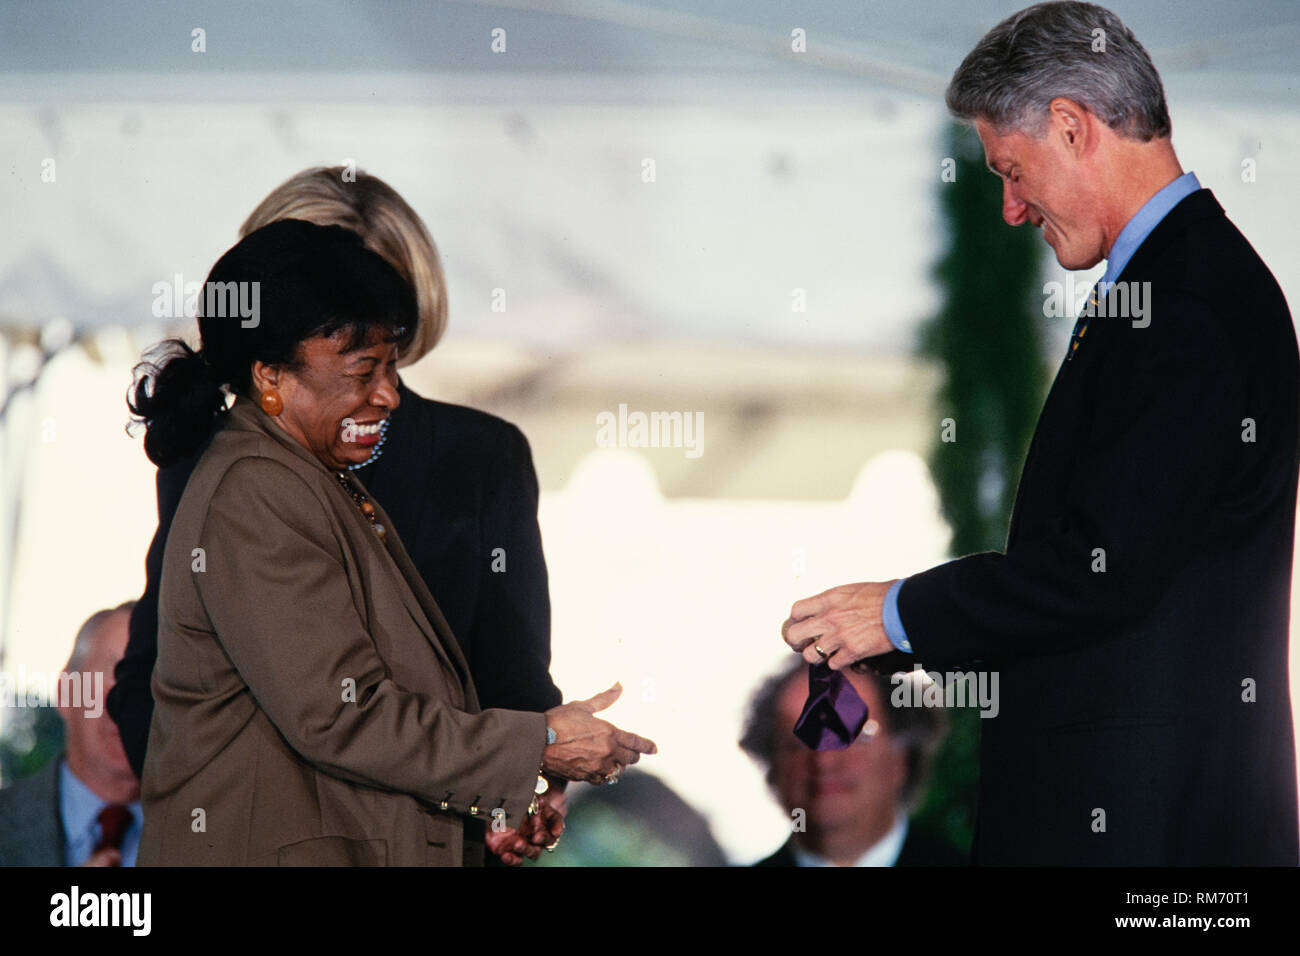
pixel 884 852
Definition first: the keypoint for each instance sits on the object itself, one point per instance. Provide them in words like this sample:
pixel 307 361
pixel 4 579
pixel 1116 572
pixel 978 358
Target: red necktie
pixel 113 821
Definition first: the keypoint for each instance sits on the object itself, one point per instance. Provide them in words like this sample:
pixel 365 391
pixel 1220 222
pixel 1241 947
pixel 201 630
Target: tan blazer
pixel 312 706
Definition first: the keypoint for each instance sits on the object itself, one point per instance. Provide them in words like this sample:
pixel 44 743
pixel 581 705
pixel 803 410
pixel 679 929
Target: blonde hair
pixel 371 208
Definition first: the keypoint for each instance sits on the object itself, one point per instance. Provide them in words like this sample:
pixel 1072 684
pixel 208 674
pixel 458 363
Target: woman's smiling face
pixel 335 398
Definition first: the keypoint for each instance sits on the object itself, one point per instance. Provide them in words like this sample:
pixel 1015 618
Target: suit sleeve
pixel 130 701
pixel 1165 430
pixel 278 598
pixel 512 622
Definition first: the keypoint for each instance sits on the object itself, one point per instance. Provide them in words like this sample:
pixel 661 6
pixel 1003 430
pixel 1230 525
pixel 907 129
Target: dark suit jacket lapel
pixel 1199 205
pixel 784 856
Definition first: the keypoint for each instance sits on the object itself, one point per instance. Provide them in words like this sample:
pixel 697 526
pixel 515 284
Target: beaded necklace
pixel 362 502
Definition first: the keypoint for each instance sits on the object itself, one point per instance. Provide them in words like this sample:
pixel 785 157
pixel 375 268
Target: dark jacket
pixel 31 829
pixel 918 850
pixel 1144 715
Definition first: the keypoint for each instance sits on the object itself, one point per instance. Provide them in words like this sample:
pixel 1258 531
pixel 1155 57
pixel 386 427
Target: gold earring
pixel 272 403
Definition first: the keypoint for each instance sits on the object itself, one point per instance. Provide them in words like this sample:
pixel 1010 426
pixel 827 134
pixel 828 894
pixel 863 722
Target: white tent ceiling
pixel 778 168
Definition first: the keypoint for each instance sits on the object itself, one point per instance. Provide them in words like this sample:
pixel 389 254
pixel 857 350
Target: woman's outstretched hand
pixel 588 748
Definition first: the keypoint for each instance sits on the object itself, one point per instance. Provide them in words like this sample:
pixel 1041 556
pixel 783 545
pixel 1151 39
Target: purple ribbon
pixel 834 714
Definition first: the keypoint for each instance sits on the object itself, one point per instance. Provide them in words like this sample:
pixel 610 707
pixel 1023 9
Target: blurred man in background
pixel 82 808
pixel 847 807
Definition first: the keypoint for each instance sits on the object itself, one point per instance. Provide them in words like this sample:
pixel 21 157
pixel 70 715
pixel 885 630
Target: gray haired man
pixel 1139 617
pixel 83 807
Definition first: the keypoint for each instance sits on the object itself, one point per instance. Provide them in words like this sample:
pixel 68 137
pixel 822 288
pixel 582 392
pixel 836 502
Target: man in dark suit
pixel 1139 616
pixel 847 807
pixel 83 807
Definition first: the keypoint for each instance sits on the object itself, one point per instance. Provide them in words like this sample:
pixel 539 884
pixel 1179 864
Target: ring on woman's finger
pixel 821 653
pixel 611 778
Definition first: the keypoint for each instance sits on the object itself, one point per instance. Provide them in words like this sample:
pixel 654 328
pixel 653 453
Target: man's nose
pixel 1013 210
pixel 826 759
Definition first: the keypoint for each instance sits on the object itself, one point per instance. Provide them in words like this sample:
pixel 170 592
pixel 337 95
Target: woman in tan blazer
pixel 312 706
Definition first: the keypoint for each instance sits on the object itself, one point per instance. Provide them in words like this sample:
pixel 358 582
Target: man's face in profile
pixel 836 787
pixel 1043 184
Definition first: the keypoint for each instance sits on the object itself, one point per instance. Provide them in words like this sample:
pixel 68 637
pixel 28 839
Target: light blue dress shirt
pixel 1126 243
pixel 79 808
pixel 1144 220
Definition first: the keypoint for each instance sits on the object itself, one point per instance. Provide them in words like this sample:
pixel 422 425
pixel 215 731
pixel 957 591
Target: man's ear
pixel 1072 122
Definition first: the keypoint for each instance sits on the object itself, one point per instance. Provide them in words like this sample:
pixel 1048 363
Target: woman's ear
pixel 266 379
pixel 265 376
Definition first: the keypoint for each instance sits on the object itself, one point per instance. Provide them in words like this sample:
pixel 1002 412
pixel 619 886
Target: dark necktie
pixel 1081 326
pixel 834 714
pixel 113 821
